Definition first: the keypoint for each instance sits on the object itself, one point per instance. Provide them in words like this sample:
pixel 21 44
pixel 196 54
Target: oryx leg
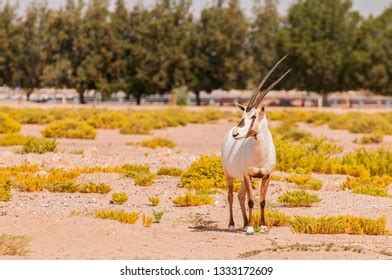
pixel 241 199
pixel 263 192
pixel 229 181
pixel 249 192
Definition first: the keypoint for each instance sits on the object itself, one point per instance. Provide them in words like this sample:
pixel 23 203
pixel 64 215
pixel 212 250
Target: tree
pixel 8 36
pixel 318 37
pixel 29 61
pixel 373 54
pixel 263 36
pixel 220 57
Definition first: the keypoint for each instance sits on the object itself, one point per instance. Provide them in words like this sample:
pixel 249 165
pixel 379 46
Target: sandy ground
pixel 55 233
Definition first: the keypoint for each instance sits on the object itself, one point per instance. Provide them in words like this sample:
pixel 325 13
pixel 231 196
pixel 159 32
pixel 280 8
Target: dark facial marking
pixel 242 123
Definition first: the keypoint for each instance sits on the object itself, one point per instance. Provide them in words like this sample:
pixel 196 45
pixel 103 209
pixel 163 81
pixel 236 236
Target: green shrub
pixel 120 198
pixel 8 125
pixel 157 216
pixel 190 199
pixel 69 128
pixel 305 182
pixel 13 139
pixel 289 130
pixel 101 188
pixel 118 215
pixel 298 199
pixel 374 186
pixel 5 191
pixel 158 143
pixel 272 219
pixel 39 146
pixel 169 171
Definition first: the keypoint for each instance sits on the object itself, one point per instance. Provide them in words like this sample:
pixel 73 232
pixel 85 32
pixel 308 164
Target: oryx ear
pixel 239 106
pixel 262 111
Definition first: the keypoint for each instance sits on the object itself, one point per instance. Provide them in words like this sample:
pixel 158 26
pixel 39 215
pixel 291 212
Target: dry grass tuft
pixel 118 215
pixel 169 171
pixel 119 198
pixel 339 225
pixel 147 220
pixel 13 139
pixel 154 200
pixel 39 146
pixel 101 188
pixel 5 190
pixel 191 199
pixel 13 245
pixel 157 216
pixel 69 128
pixel 298 199
pixel 374 186
pixel 158 142
pixel 140 173
pixel 305 182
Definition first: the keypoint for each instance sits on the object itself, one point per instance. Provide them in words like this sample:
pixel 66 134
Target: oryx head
pixel 252 114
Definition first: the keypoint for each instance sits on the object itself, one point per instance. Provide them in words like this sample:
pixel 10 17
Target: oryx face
pixel 248 126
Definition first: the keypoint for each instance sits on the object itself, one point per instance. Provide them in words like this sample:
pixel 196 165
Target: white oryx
pixel 248 151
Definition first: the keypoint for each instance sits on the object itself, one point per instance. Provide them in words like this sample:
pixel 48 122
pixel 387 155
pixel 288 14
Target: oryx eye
pixel 253 117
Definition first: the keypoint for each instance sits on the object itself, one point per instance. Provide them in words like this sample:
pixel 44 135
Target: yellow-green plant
pixel 27 182
pixel 119 198
pixel 305 182
pixel 357 122
pixel 158 142
pixel 374 138
pixel 339 225
pixel 191 199
pixel 137 126
pixel 100 188
pixel 374 186
pixel 154 200
pixel 169 171
pixel 5 190
pixel 157 216
pixel 118 215
pixel 65 187
pixel 8 125
pixel 107 119
pixel 13 245
pixel 272 219
pixel 298 199
pixel 39 146
pixel 13 139
pixel 140 173
pixel 147 220
pixel 69 128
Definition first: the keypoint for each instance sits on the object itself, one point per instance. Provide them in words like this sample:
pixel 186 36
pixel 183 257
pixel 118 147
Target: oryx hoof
pixel 231 228
pixel 264 229
pixel 249 230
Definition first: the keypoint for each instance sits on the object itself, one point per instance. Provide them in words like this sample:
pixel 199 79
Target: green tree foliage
pixel 318 37
pixel 86 46
pixel 219 55
pixel 263 36
pixel 373 54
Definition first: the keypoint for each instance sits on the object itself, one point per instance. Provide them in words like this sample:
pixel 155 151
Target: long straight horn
pixel 264 93
pixel 251 103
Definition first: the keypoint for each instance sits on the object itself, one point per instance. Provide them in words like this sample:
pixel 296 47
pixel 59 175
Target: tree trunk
pixel 28 93
pixel 325 101
pixel 138 99
pixel 81 97
pixel 198 101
